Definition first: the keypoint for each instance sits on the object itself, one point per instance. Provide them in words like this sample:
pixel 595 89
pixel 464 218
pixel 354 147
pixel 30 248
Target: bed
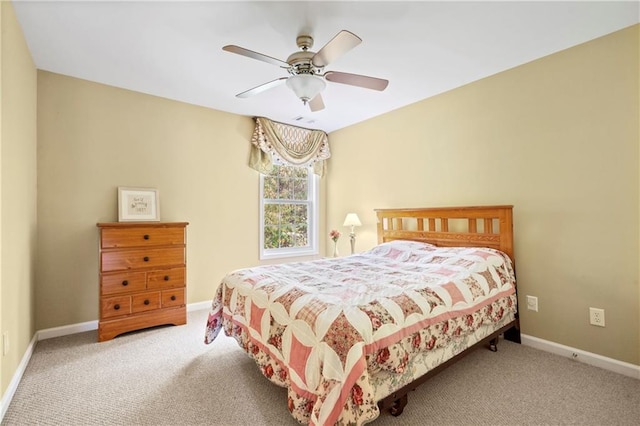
pixel 351 336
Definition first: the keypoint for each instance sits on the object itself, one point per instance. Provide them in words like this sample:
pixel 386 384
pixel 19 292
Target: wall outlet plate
pixel 596 317
pixel 532 303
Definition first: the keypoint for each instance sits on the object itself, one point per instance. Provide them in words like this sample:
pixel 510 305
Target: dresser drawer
pixel 115 306
pixel 166 278
pixel 123 260
pixel 145 301
pixel 172 297
pixel 141 237
pixel 121 283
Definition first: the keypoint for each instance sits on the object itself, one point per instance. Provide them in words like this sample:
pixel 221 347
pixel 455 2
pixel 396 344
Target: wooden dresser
pixel 143 273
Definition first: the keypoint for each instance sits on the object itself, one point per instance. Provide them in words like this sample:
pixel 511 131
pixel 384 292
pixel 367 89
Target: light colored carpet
pixel 168 376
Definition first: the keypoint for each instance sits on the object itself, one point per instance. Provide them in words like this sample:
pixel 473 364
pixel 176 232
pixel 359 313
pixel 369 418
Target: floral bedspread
pixel 323 328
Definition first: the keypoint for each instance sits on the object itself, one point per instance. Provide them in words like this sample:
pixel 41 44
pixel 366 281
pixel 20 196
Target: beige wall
pixel 559 139
pixel 18 192
pixel 94 138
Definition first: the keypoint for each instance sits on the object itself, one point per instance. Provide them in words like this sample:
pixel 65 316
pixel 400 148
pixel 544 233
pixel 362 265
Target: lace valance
pixel 277 143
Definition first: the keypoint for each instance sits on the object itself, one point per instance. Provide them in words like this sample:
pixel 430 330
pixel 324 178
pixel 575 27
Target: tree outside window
pixel 288 200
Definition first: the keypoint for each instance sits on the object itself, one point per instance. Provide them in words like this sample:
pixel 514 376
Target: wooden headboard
pixel 478 226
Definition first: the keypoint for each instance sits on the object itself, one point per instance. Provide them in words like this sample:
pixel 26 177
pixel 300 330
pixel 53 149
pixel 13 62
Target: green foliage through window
pixel 286 207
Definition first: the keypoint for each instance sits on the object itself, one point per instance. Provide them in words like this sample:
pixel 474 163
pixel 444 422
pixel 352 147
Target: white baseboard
pixel 596 360
pixel 17 376
pixel 65 330
pixel 198 306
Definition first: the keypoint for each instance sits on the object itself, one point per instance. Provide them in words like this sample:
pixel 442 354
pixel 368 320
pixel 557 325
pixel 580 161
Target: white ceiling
pixel 174 49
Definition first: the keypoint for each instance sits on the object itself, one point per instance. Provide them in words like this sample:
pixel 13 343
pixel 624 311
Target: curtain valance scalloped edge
pixel 279 143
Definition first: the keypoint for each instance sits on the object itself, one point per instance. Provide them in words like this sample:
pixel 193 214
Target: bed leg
pixel 398 405
pixel 493 344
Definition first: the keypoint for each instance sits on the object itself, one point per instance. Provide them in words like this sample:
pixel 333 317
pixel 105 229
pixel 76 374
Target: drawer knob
pixel 166 277
pixel 125 283
pixel 146 301
pixel 146 258
pixel 173 297
pixel 146 236
pixel 116 306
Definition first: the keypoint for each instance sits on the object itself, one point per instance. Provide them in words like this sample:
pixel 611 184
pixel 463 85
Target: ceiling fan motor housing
pixel 300 63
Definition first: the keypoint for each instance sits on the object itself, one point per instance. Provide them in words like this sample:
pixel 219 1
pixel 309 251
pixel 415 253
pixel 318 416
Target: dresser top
pixel 139 224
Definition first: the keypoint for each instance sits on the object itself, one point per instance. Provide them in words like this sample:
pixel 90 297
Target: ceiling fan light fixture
pixel 306 86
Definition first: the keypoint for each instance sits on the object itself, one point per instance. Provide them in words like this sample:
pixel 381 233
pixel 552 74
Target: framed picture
pixel 138 205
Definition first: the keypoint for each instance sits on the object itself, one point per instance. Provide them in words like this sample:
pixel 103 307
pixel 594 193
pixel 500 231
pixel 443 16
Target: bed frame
pixel 478 226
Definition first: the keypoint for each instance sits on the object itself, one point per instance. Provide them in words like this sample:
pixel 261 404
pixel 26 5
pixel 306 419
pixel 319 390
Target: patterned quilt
pixel 323 328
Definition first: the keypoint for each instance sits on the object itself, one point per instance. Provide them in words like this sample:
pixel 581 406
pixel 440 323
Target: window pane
pixel 301 172
pixel 288 214
pixel 284 189
pixel 286 236
pixel 270 187
pixel 300 189
pixel 270 237
pixel 302 238
pixel 285 171
pixel 271 215
pixel 301 214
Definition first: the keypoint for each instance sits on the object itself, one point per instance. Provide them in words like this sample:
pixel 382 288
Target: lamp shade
pixel 306 86
pixel 352 220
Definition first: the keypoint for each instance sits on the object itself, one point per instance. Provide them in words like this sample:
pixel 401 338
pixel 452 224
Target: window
pixel 288 212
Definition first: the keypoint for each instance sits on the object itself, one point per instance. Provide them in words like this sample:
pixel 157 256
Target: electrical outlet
pixel 5 343
pixel 532 303
pixel 596 317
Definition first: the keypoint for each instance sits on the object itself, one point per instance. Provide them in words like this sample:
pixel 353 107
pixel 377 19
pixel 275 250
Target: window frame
pixel 312 249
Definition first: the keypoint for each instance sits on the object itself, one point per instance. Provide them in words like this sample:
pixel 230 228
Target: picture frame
pixel 138 204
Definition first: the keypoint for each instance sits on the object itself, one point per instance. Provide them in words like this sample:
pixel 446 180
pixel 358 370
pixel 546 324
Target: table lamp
pixel 352 220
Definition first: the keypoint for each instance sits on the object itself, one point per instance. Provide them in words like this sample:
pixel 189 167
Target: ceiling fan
pixel 308 77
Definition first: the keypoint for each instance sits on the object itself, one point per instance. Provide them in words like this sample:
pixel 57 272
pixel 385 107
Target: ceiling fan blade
pixel 262 88
pixel 255 55
pixel 336 47
pixel 316 104
pixel 357 80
